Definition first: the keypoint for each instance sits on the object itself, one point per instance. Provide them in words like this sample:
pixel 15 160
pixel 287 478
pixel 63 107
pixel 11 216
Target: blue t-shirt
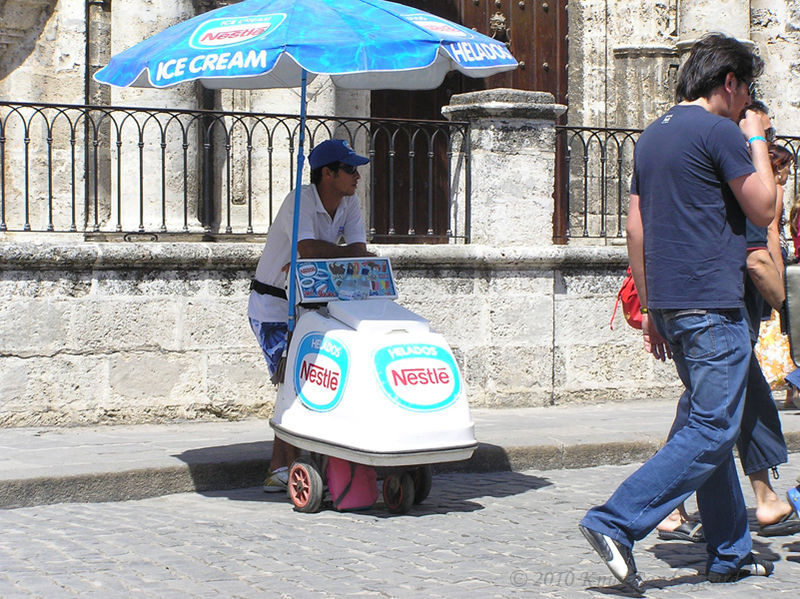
pixel 694 243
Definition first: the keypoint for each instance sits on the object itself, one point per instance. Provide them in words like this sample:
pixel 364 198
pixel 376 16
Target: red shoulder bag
pixel 631 307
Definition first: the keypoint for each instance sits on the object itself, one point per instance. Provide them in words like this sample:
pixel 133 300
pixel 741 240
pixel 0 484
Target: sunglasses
pixel 770 134
pixel 348 168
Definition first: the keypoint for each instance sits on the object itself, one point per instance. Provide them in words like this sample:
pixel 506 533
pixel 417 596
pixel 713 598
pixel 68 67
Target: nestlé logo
pixel 320 371
pixel 418 376
pixel 235 30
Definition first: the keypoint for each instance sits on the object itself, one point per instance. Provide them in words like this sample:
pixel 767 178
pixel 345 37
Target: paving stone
pixel 506 535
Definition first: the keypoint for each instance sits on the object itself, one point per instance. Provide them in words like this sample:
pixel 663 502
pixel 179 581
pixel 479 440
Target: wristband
pixel 643 310
pixel 756 138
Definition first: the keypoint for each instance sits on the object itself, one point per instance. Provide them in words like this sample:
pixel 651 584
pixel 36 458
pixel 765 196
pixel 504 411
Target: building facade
pixel 98 329
pixel 611 62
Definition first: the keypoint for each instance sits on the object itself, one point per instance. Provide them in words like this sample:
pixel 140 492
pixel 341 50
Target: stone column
pixel 41 42
pixel 697 17
pixel 270 153
pixel 98 53
pixel 644 79
pixel 645 62
pixel 132 22
pixel 98 49
pixel 513 161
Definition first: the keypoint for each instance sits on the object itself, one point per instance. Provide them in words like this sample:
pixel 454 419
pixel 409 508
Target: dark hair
pixel 711 59
pixel 779 157
pixel 758 106
pixel 316 173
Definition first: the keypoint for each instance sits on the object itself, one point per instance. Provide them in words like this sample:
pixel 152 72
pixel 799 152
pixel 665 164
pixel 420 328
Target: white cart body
pixel 368 381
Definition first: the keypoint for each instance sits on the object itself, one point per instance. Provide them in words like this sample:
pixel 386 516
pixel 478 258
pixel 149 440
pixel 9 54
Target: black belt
pixel 265 289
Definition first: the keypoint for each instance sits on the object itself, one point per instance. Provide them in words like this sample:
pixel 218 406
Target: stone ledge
pixel 645 50
pixel 503 104
pixel 132 255
pixel 482 257
pixel 209 256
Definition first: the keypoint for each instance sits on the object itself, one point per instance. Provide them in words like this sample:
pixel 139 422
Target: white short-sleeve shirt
pixel 346 226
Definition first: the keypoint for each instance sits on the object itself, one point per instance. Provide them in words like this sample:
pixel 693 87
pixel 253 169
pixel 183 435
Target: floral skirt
pixel 772 351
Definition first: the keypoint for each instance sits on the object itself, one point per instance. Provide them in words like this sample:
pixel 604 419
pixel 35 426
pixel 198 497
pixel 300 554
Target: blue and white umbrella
pixel 259 44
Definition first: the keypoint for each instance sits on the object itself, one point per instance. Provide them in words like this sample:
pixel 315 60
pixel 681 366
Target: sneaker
pixel 752 566
pixel 617 556
pixel 277 481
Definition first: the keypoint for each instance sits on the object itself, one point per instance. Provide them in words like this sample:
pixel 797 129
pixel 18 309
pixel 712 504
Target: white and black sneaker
pixel 617 556
pixel 751 566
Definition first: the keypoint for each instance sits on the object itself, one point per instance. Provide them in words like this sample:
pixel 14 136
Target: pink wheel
pixel 305 486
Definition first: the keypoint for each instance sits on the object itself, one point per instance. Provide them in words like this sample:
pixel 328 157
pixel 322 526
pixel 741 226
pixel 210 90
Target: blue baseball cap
pixel 334 150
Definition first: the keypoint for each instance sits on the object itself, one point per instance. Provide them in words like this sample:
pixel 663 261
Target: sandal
pixel 788 525
pixel 687 531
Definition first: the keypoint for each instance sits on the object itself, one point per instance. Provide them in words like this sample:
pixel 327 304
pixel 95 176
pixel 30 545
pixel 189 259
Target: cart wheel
pixel 423 479
pixel 398 492
pixel 305 486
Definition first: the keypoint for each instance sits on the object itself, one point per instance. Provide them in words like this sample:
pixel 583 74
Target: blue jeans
pixel 711 351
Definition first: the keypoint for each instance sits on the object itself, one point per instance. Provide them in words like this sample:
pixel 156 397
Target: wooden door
pixel 536 33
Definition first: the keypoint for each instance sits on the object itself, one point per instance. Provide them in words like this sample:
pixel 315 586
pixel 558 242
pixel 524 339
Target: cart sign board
pixel 319 280
pixel 418 376
pixel 320 372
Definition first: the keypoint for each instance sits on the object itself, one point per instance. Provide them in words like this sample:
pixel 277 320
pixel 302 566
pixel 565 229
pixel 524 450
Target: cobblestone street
pixel 504 534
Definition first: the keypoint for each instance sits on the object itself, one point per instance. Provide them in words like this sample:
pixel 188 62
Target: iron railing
pixel 594 189
pixel 134 173
pixel 599 163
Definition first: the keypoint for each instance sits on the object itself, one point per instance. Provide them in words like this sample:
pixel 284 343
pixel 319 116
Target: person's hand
pixel 751 124
pixel 286 267
pixel 654 343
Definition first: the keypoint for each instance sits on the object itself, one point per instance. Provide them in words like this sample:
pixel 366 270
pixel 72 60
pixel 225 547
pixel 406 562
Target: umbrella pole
pixel 296 217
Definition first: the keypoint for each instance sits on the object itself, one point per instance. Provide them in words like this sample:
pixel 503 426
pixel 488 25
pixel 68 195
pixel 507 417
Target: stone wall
pixel 129 332
pixel 42 50
pixel 775 30
pixel 623 56
pixel 111 333
pixel 44 54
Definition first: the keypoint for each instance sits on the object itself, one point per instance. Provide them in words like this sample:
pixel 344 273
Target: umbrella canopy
pixel 361 44
pixel 260 44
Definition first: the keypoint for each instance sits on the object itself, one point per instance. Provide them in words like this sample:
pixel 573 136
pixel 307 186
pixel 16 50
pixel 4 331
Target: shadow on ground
pixel 238 471
pixel 242 465
pixel 235 466
pixel 454 492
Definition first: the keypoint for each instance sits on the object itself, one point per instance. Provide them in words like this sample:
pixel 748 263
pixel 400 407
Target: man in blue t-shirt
pixel 697 178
